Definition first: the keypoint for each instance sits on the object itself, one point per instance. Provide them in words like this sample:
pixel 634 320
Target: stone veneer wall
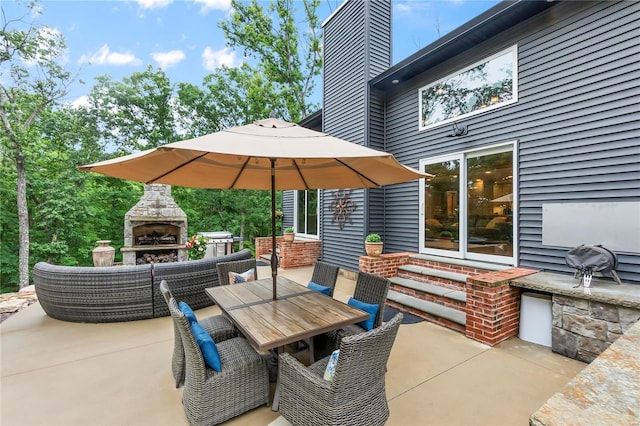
pixel 300 252
pixel 584 325
pixel 582 329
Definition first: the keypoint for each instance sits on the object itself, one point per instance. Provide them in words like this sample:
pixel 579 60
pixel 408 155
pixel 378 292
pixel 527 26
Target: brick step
pixel 434 276
pixel 432 292
pixel 451 318
pixel 468 267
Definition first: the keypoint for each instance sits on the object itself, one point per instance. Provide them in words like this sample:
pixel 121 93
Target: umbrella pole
pixel 274 256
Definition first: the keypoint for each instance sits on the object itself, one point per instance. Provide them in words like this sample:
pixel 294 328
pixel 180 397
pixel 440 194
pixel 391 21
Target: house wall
pixel 287 209
pixel 357 47
pixel 576 124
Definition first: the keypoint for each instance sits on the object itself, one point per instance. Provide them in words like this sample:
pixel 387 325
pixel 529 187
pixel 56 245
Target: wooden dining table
pixel 298 313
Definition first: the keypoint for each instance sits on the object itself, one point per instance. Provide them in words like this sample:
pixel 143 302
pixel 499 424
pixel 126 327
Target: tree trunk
pixel 23 223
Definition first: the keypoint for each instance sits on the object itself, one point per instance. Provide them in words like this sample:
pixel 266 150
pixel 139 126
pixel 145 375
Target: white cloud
pixel 82 101
pixel 153 4
pixel 104 56
pixel 403 7
pixel 208 5
pixel 168 59
pixel 211 60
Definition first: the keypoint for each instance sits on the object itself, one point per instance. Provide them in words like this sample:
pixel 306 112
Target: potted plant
pixel 289 235
pixel 373 245
pixel 196 247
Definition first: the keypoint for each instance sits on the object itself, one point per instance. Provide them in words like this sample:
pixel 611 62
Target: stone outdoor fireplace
pixel 155 229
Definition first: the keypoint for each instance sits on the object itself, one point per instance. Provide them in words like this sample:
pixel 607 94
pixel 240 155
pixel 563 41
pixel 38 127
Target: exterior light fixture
pixel 459 130
pixel 395 81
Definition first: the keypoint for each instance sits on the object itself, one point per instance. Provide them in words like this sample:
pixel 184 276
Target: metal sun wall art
pixel 341 207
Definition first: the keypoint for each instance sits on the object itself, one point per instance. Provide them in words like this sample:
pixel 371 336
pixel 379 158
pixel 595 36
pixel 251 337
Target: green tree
pixel 135 113
pixel 288 53
pixel 31 81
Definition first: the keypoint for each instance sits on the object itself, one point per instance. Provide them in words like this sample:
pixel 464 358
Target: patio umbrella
pixel 504 199
pixel 268 154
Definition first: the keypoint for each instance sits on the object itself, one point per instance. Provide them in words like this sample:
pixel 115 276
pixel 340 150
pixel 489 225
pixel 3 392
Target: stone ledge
pixel 604 393
pixel 627 295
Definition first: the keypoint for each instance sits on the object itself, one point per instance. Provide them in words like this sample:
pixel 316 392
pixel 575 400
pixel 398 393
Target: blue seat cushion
pixel 319 288
pixel 371 309
pixel 188 312
pixel 207 347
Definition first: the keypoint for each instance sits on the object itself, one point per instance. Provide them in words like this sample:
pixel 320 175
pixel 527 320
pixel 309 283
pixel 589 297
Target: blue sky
pixel 182 36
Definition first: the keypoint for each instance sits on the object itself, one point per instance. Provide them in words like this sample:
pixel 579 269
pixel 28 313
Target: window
pixel 483 86
pixel 467 205
pixel 306 212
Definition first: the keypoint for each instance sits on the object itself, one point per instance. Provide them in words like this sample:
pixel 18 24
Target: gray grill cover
pixel 592 259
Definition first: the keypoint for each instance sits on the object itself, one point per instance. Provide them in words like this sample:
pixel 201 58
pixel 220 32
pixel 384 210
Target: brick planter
pixel 385 265
pixel 291 254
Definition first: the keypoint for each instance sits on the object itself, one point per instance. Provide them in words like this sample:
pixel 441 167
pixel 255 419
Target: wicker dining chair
pixel 212 397
pixel 369 289
pixel 325 274
pixel 218 326
pixel 238 266
pixel 356 395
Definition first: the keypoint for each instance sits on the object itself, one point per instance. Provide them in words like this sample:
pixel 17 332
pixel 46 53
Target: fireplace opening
pixel 156 234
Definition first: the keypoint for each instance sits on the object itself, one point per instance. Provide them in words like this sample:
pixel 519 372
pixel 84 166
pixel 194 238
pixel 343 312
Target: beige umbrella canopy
pixel 267 154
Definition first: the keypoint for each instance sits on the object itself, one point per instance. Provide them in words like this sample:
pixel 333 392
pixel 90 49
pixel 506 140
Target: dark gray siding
pixel 287 209
pixel 576 123
pixel 357 46
pixel 583 126
pixel 376 196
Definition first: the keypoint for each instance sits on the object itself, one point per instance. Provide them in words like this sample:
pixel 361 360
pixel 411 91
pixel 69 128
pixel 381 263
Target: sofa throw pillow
pixel 371 309
pixel 330 371
pixel 246 276
pixel 188 312
pixel 207 347
pixel 319 288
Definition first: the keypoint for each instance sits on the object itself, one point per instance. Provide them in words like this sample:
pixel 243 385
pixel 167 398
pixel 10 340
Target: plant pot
pixel 373 249
pixel 289 237
pixel 104 254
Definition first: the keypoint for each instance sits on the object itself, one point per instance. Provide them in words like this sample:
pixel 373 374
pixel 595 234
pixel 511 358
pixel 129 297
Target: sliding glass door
pixel 467 206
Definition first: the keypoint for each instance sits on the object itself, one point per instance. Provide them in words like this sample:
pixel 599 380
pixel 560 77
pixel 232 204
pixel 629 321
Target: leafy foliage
pixel 52 212
pixel 287 63
pixel 373 238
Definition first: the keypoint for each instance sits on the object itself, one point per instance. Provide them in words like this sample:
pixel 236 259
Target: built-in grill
pixel 219 243
pixel 155 229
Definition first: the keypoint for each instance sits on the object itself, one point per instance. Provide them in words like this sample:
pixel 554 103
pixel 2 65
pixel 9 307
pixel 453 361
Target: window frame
pixel 296 212
pixel 514 52
pixel 462 252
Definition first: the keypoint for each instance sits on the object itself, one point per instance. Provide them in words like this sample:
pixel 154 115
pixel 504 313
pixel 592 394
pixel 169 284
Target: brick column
pixel 292 255
pixel 263 245
pixel 299 253
pixel 493 305
pixel 386 265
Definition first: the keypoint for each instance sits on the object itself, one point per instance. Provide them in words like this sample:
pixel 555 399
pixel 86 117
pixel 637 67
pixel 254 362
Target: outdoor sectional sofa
pixel 124 293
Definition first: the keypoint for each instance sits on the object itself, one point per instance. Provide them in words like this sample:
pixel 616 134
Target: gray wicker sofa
pixel 124 293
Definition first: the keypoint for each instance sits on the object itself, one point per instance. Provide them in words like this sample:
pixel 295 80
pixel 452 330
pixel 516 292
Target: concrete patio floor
pixel 61 373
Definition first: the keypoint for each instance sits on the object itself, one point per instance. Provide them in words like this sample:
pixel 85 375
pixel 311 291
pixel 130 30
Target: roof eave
pixel 497 19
